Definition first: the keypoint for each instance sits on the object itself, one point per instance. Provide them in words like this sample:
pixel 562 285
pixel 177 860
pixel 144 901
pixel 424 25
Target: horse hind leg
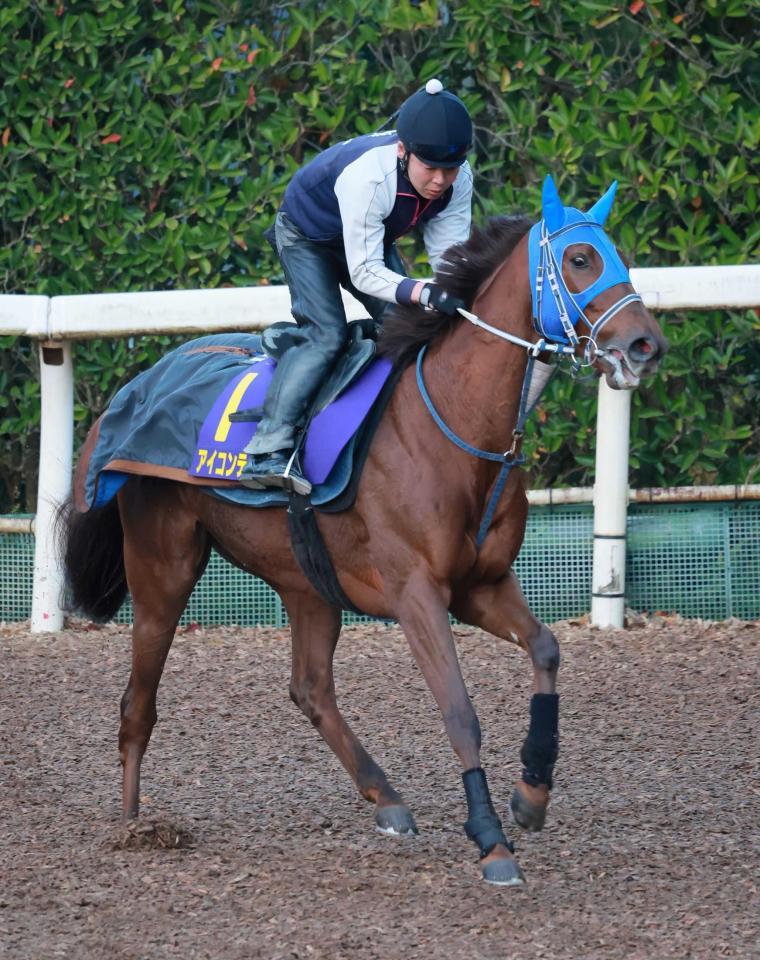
pixel 165 553
pixel 315 626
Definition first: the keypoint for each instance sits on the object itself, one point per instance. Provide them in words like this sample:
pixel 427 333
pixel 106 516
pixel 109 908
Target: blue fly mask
pixel 555 309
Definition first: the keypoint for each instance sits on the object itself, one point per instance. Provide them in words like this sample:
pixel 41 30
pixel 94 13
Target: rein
pixel 540 346
pixel 510 458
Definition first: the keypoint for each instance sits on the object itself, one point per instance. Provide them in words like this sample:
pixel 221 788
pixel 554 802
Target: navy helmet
pixel 435 126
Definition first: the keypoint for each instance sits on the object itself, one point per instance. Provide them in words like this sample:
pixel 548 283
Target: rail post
pixel 610 506
pixel 54 483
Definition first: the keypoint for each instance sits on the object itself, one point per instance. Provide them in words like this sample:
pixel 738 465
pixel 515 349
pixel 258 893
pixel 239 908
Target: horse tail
pixel 93 555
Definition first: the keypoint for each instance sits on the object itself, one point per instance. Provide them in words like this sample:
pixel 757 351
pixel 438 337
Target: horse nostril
pixel 644 349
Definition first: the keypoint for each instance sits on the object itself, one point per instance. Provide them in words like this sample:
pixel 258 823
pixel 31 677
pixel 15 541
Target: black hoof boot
pixel 395 820
pixel 279 470
pixel 484 828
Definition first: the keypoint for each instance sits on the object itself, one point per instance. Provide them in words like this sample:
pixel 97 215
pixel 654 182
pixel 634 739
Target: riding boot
pixel 295 382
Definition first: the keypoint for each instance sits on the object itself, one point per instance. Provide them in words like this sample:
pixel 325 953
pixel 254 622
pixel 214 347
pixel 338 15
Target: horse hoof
pixel 395 820
pixel 528 806
pixel 503 872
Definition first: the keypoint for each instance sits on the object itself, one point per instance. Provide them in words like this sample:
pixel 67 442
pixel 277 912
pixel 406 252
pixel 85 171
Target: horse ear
pixel 600 211
pixel 551 205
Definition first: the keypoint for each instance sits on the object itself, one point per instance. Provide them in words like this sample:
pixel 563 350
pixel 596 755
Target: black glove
pixel 436 297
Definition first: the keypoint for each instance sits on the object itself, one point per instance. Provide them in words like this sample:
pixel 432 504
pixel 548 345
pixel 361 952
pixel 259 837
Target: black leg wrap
pixel 541 748
pixel 483 825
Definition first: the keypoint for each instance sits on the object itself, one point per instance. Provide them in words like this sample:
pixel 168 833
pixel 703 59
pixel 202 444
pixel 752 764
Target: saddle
pixel 360 348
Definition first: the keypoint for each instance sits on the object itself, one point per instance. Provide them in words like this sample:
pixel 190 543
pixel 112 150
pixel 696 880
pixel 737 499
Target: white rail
pixel 726 492
pixel 549 497
pixel 58 320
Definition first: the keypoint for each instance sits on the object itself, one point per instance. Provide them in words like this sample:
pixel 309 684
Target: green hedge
pixel 145 145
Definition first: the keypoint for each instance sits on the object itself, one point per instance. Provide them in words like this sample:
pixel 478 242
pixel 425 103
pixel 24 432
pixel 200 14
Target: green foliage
pixel 695 423
pixel 146 145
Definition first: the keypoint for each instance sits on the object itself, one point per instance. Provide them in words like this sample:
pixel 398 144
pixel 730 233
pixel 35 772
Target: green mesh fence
pixel 554 564
pixel 699 560
pixel 16 571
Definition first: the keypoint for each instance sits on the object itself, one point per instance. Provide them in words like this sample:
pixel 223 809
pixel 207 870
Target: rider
pixel 336 227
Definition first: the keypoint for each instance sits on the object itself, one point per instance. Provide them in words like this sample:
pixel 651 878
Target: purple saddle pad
pixel 221 441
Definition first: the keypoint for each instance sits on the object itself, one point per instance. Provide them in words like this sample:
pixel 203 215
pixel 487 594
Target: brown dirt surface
pixel 253 842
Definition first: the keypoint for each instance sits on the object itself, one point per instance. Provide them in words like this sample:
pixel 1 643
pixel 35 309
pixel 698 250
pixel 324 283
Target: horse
pixel 437 521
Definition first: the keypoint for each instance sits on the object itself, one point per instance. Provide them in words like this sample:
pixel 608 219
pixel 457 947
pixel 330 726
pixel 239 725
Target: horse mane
pixel 462 271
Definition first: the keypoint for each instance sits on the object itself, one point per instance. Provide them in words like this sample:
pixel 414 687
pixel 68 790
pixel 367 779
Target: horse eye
pixel 580 261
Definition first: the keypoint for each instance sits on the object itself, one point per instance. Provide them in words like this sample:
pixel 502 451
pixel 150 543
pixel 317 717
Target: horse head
pixel 582 293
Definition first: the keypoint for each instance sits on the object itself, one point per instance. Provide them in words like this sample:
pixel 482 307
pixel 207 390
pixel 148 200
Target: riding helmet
pixel 435 126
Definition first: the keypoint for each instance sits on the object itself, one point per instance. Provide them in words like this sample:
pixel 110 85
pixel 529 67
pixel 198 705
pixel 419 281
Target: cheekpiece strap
pixel 551 270
pixel 614 309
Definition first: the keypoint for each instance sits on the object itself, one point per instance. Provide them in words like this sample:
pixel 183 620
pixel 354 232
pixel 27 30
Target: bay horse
pixel 414 547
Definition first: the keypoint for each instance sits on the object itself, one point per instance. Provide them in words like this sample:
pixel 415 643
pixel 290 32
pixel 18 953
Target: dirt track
pixel 651 849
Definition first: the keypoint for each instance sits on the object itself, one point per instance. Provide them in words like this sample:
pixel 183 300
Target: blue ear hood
pixel 603 205
pixel 551 206
pixel 560 228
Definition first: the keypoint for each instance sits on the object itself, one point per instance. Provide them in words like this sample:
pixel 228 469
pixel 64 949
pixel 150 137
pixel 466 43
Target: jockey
pixel 336 228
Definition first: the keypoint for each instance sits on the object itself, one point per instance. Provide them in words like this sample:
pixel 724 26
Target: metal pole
pixel 54 484
pixel 610 506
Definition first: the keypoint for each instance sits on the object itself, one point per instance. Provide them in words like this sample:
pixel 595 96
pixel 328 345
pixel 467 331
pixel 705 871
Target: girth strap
pixel 311 553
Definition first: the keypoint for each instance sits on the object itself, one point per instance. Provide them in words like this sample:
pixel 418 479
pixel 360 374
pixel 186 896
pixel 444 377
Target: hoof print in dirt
pixel 503 873
pixel 152 835
pixel 396 821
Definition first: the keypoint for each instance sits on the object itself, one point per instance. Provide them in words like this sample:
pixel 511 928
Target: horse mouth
pixel 620 373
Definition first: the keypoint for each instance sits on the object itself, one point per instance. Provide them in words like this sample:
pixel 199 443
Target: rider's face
pixel 429 182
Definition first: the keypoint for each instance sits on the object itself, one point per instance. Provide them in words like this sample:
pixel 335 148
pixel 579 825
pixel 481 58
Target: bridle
pixel 550 272
pixel 563 342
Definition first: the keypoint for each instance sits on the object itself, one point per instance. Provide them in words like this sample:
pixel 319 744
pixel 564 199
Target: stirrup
pixel 294 480
pixel 284 475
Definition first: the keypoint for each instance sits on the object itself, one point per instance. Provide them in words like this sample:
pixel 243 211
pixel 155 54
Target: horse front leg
pixel 423 615
pixel 502 609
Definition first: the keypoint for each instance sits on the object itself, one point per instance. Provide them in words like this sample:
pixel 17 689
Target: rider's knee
pixel 330 339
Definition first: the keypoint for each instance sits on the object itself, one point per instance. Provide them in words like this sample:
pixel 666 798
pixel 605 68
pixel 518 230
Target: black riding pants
pixel 314 272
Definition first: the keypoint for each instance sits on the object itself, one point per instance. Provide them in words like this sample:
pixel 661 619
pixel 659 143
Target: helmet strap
pixel 404 161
